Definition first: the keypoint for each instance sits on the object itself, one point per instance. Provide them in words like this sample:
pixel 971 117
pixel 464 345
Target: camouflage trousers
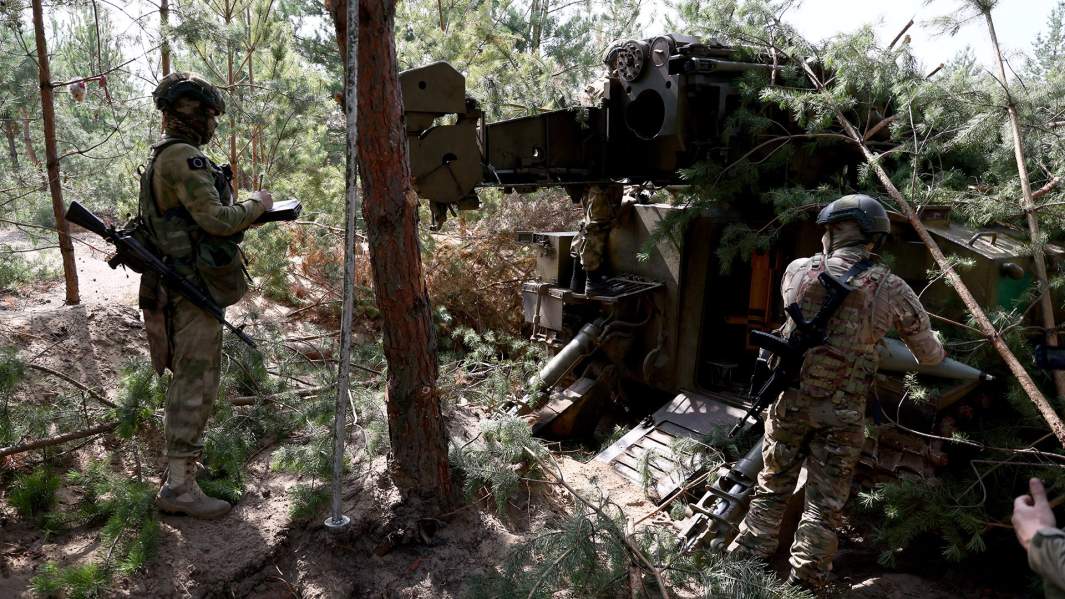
pixel 196 361
pixel 600 205
pixel 803 431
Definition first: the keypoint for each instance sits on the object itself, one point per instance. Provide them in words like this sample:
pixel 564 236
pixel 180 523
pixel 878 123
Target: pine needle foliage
pixel 12 371
pixel 127 509
pixel 308 501
pixel 86 581
pixel 578 555
pixel 582 554
pixel 130 532
pixel 33 494
pixel 490 368
pixel 500 462
pixel 140 394
pixel 917 511
pixel 313 458
pixel 16 270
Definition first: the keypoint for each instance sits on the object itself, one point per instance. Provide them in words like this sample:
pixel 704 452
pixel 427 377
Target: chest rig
pixel 216 263
pixel 843 367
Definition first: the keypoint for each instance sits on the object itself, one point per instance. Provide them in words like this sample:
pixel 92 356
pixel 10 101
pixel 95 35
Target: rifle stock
pixel 134 255
pixel 80 216
pixel 790 351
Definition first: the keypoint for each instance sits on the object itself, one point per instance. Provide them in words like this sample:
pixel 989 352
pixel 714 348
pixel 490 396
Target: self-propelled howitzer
pixel 667 356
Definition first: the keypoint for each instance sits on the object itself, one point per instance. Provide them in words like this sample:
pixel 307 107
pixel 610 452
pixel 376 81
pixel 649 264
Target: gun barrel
pixel 896 357
pixel 586 340
pixel 79 215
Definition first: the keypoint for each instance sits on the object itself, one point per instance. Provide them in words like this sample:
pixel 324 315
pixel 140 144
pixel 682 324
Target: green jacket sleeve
pixel 1046 557
pixel 183 174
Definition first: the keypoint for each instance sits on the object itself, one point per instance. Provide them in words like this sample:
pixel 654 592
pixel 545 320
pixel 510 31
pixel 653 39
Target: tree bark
pixel 228 17
pixel 1046 303
pixel 12 149
pixel 251 83
pixel 390 207
pixel 66 247
pixel 164 25
pixel 27 140
pixel 58 439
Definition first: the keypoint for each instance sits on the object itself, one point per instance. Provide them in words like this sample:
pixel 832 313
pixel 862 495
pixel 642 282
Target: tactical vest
pixel 215 263
pixel 843 368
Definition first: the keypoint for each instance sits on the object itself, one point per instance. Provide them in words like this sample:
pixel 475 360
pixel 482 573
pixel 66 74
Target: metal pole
pixel 336 520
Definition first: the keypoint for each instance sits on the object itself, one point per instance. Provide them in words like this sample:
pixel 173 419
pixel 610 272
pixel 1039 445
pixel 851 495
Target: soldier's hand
pixel 1031 513
pixel 265 197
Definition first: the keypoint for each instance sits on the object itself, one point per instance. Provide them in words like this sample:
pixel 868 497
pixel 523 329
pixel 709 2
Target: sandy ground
pixel 257 550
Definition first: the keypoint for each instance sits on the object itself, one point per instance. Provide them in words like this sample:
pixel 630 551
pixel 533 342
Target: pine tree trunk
pixel 12 149
pixel 390 208
pixel 66 247
pixel 254 170
pixel 27 140
pixel 1046 303
pixel 536 25
pixel 228 17
pixel 164 24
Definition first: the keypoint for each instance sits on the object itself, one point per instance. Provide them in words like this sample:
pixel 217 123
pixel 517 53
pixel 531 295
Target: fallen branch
pixel 57 440
pixel 624 538
pixel 877 127
pixel 60 375
pixel 1050 185
pixel 250 400
pixel 982 321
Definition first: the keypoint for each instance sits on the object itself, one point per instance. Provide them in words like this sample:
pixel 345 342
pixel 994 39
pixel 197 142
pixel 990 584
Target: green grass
pixel 33 495
pixel 307 501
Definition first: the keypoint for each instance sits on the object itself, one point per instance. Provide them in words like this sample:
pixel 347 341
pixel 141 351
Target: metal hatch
pixel 689 415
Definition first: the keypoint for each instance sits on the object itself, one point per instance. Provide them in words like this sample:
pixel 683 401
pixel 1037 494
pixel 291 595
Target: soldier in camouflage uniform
pixel 600 204
pixel 189 216
pixel 821 424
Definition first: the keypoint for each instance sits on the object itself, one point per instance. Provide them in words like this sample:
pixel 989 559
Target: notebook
pixel 283 210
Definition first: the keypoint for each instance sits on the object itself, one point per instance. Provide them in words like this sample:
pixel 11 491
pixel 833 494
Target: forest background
pixel 284 131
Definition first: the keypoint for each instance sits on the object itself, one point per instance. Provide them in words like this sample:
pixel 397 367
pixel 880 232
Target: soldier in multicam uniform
pixel 821 425
pixel 189 216
pixel 600 204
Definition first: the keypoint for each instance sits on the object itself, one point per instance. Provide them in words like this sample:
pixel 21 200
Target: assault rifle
pixel 789 352
pixel 133 255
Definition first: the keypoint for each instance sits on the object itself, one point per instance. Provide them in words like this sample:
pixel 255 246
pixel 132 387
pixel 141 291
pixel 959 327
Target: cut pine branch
pixel 1046 303
pixel 987 328
pixel 57 439
pixel 60 375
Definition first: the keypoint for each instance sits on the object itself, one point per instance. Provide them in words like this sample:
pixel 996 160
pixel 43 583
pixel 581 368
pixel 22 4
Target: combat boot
pixel 597 282
pixel 814 588
pixel 181 495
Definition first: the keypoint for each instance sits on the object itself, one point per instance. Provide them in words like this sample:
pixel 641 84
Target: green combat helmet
pixel 865 210
pixel 183 84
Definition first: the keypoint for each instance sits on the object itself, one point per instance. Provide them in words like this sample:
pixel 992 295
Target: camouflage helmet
pixel 182 84
pixel 864 210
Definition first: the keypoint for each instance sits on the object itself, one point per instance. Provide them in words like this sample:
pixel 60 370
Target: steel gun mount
pixel 661 109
